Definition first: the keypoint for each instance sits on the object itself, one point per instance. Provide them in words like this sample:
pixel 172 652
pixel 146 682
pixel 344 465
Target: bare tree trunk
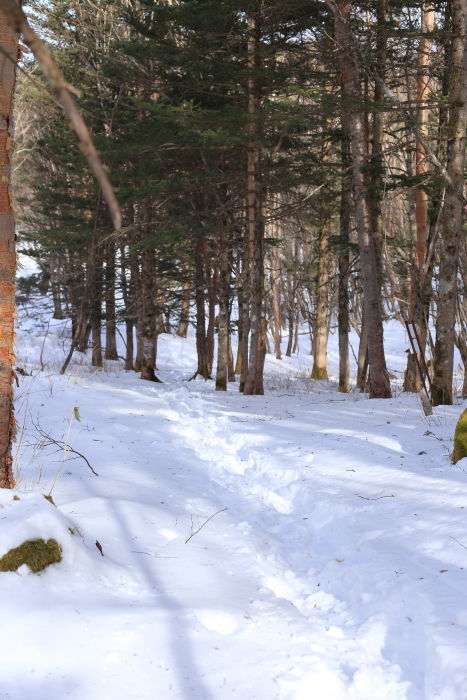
pixel 182 330
pixel 417 306
pixel 148 316
pixel 110 319
pixel 55 286
pixel 244 322
pixel 379 379
pixel 290 320
pixel 211 276
pixel 362 360
pixel 344 262
pixel 254 379
pixel 276 301
pixel 95 309
pixel 320 330
pixel 9 46
pixel 135 287
pixel 128 304
pixel 223 296
pixel 452 215
pixel 200 299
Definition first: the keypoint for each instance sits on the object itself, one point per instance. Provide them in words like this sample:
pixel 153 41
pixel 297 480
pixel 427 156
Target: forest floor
pixel 302 545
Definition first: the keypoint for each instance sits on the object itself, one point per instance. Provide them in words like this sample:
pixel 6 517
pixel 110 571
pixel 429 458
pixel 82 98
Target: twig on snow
pixel 195 532
pixel 49 440
pixel 376 498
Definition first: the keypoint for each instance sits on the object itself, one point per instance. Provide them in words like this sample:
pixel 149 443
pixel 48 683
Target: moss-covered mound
pixel 37 554
pixel 460 438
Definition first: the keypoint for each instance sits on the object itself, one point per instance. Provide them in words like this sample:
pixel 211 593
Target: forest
pixel 231 199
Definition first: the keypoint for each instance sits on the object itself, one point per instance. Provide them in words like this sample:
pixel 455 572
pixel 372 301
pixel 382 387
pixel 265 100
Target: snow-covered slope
pixel 303 545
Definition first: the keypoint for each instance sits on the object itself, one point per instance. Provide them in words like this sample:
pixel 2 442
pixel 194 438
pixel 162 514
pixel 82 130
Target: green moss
pixel 460 438
pixel 319 373
pixel 37 554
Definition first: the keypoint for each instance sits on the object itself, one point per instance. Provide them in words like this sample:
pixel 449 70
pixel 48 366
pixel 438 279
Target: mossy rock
pixel 37 554
pixel 460 438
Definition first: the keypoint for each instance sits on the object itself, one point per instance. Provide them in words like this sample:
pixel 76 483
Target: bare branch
pixel 63 92
pixel 195 532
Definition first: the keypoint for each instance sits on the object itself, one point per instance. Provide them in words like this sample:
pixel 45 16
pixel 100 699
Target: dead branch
pixel 49 440
pixel 195 532
pixel 64 92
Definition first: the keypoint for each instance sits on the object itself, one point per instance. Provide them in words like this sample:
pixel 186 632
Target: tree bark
pixel 95 309
pixel 110 319
pixel 276 300
pixel 343 263
pixel 182 330
pixel 148 316
pixel 320 330
pixel 418 294
pixel 200 299
pixel 128 303
pixel 254 378
pixel 223 325
pixel 452 215
pixel 9 46
pixel 379 379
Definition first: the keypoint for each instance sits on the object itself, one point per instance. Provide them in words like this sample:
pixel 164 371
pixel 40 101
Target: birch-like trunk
pixel 110 320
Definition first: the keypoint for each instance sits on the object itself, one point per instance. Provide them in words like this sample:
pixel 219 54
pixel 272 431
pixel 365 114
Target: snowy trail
pixel 337 570
pixel 320 506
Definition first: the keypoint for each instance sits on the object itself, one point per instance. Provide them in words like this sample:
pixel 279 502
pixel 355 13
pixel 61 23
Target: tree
pixel 349 64
pixel 8 59
pixel 453 210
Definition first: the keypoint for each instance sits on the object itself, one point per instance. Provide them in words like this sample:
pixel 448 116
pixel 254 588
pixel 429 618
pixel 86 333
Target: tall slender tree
pixel 8 60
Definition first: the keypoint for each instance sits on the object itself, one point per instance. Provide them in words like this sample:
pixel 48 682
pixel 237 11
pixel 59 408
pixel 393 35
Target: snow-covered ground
pixel 304 545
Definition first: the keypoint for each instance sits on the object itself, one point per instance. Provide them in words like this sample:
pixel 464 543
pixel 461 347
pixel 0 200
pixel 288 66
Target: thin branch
pixel 63 91
pixel 376 498
pixel 195 532
pixel 49 440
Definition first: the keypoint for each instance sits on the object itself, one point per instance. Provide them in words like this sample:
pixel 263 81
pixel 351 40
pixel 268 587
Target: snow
pixel 303 545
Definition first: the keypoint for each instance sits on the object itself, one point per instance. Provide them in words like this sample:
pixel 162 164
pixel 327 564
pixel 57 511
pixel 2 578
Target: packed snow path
pixel 331 561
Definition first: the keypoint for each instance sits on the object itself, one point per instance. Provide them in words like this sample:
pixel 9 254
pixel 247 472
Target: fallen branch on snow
pixel 195 532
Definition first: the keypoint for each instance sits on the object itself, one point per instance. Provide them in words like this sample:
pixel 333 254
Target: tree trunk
pixel 95 309
pixel 148 316
pixel 344 262
pixel 362 360
pixel 110 320
pixel 379 379
pixel 244 322
pixel 276 299
pixel 452 215
pixel 418 302
pixel 223 296
pixel 320 331
pixel 128 304
pixel 254 379
pixel 55 273
pixel 9 46
pixel 211 276
pixel 200 299
pixel 182 330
